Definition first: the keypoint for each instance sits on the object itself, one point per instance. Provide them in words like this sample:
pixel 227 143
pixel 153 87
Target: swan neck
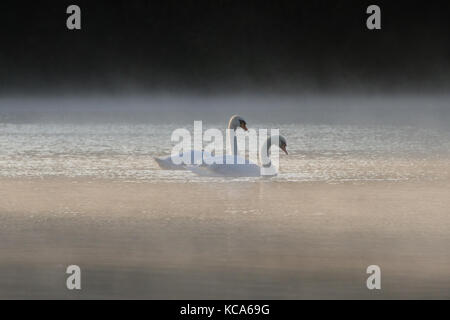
pixel 233 141
pixel 231 124
pixel 266 161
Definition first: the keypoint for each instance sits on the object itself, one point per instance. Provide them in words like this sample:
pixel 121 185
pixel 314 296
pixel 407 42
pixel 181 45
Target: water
pixel 78 187
pixel 316 152
pixel 282 238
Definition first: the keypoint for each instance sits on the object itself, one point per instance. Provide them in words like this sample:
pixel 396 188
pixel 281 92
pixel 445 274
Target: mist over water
pixel 330 138
pixel 426 110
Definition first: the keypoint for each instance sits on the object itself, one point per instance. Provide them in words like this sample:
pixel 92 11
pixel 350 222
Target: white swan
pixel 241 167
pixel 168 163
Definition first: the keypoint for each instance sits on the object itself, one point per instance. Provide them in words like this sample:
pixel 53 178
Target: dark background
pixel 224 45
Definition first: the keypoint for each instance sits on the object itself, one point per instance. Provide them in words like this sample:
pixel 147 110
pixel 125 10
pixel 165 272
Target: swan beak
pixel 284 149
pixel 244 126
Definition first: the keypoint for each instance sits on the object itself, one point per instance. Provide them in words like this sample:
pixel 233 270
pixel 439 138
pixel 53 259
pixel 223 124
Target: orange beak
pixel 244 126
pixel 284 149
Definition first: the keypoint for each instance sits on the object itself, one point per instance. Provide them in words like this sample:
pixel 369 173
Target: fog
pixel 277 61
pixel 416 110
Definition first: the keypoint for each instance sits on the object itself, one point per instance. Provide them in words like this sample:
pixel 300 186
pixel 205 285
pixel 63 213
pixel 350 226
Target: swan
pixel 168 163
pixel 241 167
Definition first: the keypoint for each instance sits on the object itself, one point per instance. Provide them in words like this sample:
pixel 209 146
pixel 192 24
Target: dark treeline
pixel 224 44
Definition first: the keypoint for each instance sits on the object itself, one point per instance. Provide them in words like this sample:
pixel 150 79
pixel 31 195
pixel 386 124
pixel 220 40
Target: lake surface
pixel 332 153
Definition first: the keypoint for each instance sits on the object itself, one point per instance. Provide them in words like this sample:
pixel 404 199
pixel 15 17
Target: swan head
pixel 237 122
pixel 282 143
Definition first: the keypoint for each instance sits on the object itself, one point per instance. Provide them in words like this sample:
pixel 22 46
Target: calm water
pixel 316 152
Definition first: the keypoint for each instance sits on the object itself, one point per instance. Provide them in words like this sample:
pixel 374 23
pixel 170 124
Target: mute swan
pixel 168 163
pixel 243 167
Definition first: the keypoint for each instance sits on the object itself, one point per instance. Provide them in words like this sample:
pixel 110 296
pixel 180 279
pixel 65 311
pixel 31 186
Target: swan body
pixel 228 165
pixel 237 166
pixel 169 163
pixel 228 170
